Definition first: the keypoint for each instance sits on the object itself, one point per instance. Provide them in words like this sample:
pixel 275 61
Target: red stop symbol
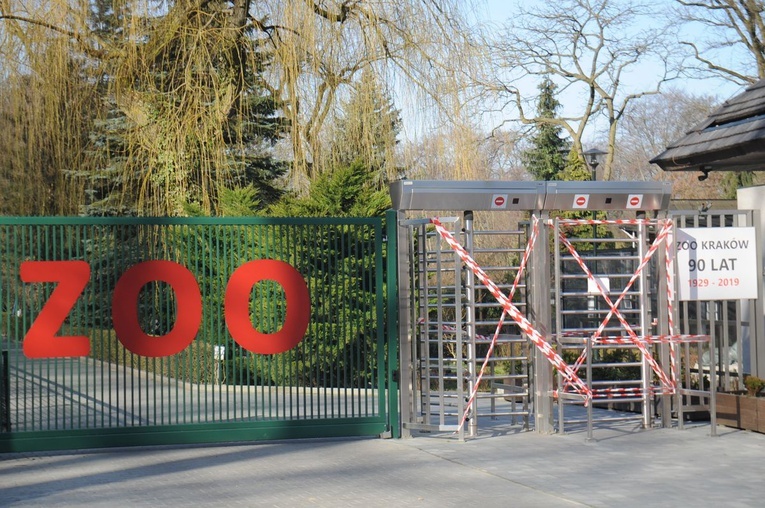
pixel 580 201
pixel 634 201
pixel 499 201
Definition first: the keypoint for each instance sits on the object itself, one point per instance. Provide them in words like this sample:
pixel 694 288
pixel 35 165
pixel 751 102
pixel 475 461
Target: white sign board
pixel 603 282
pixel 716 263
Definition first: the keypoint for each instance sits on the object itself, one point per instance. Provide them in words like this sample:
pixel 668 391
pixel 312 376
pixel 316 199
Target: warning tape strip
pixel 610 393
pixel 665 381
pixel 526 255
pixel 646 339
pixel 526 327
pixel 602 222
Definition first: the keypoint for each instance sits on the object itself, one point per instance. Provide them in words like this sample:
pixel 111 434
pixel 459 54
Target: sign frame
pixel 717 263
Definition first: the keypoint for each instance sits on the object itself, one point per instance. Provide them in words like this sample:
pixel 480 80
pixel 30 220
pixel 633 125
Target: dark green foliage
pixel 127 171
pixel 339 265
pixel 344 192
pixel 735 180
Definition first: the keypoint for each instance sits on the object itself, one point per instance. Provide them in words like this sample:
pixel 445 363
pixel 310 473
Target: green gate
pixel 139 331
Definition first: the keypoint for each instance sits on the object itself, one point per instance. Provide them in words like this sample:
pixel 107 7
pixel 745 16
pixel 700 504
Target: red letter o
pixel 237 306
pixel 125 308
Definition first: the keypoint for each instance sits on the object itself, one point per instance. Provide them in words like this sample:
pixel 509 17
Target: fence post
pixel 392 312
pixel 541 318
pixel 5 393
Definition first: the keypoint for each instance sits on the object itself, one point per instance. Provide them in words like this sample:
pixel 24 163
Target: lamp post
pixel 593 157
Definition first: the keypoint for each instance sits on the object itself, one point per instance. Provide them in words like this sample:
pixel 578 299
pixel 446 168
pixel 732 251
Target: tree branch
pixel 714 67
pixel 89 50
pixel 339 17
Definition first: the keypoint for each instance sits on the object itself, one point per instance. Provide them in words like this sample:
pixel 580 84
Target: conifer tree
pixel 367 131
pixel 546 158
pixel 199 121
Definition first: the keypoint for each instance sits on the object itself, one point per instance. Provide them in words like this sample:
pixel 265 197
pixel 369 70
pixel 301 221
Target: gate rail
pixel 154 382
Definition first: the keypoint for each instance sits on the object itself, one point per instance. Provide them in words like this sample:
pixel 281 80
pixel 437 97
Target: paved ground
pixel 624 466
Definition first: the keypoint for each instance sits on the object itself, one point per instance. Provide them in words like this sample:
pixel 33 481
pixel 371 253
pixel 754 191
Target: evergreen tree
pixel 198 120
pixel 735 180
pixel 343 323
pixel 547 157
pixel 576 170
pixel 367 130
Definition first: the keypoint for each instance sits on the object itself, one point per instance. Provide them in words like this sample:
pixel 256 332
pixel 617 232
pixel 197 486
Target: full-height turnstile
pixel 448 316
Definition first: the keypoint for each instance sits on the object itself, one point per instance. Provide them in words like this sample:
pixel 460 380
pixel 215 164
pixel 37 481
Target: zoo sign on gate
pixel 139 331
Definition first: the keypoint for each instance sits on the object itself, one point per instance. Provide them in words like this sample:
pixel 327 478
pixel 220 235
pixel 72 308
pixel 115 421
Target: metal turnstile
pixel 613 366
pixel 453 324
pixel 449 317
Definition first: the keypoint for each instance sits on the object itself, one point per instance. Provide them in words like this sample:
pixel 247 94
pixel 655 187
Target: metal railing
pixel 196 330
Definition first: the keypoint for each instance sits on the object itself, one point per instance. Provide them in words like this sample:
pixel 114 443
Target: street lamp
pixel 593 157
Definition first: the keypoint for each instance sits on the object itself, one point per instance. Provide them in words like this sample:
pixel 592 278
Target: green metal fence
pixel 196 330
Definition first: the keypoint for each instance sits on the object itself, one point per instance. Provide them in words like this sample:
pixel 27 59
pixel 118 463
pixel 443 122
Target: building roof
pixel 732 138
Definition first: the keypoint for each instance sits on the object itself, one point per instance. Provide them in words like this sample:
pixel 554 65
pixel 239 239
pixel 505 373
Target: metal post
pixel 392 316
pixel 662 316
pixel 406 377
pixel 5 393
pixel 647 409
pixel 470 318
pixel 712 388
pixel 558 291
pixel 588 346
pixel 757 307
pixel 540 318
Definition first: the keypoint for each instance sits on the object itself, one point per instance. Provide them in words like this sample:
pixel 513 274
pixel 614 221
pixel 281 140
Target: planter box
pixel 741 411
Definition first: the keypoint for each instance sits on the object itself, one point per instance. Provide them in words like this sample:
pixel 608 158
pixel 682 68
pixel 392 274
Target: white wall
pixel 753 343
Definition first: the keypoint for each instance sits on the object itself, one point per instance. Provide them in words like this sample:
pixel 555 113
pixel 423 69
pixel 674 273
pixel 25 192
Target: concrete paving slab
pixel 624 466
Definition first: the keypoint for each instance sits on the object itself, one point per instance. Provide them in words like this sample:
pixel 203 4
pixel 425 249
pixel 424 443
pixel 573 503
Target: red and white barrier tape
pixel 601 222
pixel 653 339
pixel 526 255
pixel 525 325
pixel 665 381
pixel 613 393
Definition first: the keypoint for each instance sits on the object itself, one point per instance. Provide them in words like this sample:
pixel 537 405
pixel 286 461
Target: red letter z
pixel 41 341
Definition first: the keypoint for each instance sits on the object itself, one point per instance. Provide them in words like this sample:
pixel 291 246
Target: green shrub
pixel 754 385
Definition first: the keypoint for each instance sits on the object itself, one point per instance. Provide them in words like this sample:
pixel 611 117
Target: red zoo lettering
pixel 237 303
pixel 41 340
pixel 125 308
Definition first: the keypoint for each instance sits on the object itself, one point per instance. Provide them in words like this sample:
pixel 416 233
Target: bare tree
pixel 650 125
pixel 588 48
pixel 321 48
pixel 728 38
pixel 472 151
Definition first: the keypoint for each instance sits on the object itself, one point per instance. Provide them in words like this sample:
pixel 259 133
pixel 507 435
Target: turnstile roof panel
pixel 498 195
pixel 608 195
pixel 466 195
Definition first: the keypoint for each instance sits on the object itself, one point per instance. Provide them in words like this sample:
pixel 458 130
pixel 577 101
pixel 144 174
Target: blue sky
pixel 497 12
pixel 642 78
